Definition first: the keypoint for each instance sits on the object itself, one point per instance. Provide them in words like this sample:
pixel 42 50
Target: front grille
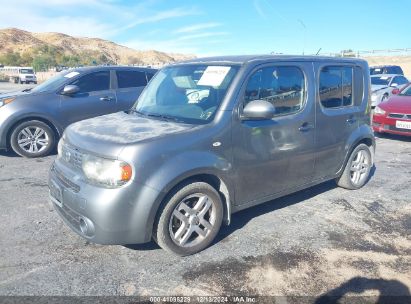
pixel 400 116
pixel 64 180
pixel 72 156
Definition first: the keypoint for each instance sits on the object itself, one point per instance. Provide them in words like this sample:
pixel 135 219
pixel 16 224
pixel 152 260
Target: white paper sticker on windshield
pixel 71 74
pixel 385 78
pixel 213 76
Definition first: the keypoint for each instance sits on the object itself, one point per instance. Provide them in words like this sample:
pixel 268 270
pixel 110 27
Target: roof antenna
pixel 318 52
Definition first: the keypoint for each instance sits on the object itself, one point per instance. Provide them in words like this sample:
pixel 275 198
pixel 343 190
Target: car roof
pixel 386 75
pixel 384 66
pixel 112 67
pixel 245 59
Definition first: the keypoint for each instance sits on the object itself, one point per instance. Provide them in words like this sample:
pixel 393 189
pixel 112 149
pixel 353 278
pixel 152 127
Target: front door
pixel 272 156
pixel 95 98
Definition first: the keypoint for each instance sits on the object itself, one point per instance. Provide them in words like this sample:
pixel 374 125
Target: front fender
pixel 182 167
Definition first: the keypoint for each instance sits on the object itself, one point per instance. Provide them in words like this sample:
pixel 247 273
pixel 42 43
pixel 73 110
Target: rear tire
pixel 32 139
pixel 190 219
pixel 357 170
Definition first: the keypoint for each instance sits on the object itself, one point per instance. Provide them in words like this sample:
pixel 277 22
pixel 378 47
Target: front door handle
pixel 306 127
pixel 106 98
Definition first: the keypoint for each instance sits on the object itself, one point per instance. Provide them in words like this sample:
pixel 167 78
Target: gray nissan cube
pixel 210 137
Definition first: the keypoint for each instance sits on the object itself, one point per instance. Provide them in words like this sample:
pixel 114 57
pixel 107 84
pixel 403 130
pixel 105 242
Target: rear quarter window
pixel 131 79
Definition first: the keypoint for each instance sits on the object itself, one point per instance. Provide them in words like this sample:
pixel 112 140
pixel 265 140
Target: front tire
pixel 357 170
pixel 32 139
pixel 190 219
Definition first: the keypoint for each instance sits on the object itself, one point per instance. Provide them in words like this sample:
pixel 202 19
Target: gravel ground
pixel 321 241
pixel 9 86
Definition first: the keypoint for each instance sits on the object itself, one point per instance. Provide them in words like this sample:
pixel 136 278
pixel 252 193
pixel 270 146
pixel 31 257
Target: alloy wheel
pixel 192 220
pixel 360 166
pixel 33 139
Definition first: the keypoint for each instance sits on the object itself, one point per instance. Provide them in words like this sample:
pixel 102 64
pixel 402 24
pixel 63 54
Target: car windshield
pixel 406 91
pixel 54 82
pixel 186 93
pixel 383 80
pixel 26 71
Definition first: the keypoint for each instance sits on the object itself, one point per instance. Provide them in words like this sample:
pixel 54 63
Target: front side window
pixel 131 79
pixel 336 86
pixel 98 81
pixel 406 91
pixel 283 86
pixel 186 93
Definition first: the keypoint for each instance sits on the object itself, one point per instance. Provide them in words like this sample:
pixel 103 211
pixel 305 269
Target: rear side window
pixel 283 86
pixel 336 86
pixel 131 79
pixel 399 80
pixel 358 85
pixel 98 81
pixel 394 70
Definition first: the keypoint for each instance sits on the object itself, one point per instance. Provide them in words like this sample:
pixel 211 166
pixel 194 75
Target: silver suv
pixel 208 138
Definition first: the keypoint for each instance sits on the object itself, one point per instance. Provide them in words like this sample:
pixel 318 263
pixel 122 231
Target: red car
pixel 394 115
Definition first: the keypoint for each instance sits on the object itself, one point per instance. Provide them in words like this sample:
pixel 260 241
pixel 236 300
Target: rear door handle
pixel 106 98
pixel 306 127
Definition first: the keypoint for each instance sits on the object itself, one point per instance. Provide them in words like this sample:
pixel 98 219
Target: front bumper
pixel 383 124
pixel 100 215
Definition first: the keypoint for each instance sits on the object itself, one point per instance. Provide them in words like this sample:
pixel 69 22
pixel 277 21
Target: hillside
pixel 20 41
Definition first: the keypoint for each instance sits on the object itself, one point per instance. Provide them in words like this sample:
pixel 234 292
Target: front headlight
pixel 107 172
pixel 379 111
pixel 4 101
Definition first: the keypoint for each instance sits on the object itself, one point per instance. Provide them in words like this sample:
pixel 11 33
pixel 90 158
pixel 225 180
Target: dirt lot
pixel 318 241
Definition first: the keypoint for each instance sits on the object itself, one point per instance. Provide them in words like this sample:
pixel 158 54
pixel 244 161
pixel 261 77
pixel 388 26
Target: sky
pixel 224 27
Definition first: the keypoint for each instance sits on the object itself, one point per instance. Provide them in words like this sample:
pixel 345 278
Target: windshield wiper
pixel 27 90
pixel 132 110
pixel 165 117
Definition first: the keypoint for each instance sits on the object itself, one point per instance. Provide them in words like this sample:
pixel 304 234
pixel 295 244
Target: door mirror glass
pixel 70 89
pixel 258 110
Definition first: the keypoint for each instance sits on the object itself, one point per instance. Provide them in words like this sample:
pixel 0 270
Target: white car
pixel 382 86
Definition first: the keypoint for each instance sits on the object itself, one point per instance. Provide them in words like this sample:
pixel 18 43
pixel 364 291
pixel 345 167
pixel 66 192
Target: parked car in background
pixel 394 115
pixel 19 74
pixel 210 137
pixel 382 86
pixel 32 120
pixel 386 69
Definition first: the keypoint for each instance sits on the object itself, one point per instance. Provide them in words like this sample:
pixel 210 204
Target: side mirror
pixel 70 89
pixel 394 85
pixel 395 91
pixel 258 110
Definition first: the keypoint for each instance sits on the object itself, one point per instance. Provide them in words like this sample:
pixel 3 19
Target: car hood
pixel 109 134
pixel 376 87
pixel 397 104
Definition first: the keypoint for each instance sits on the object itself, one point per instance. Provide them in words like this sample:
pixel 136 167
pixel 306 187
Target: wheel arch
pixel 48 122
pixel 365 136
pixel 212 179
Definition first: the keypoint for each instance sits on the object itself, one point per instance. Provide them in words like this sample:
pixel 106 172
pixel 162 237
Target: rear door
pixel 95 97
pixel 272 156
pixel 130 84
pixel 337 114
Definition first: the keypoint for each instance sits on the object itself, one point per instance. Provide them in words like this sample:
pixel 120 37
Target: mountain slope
pixel 20 41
